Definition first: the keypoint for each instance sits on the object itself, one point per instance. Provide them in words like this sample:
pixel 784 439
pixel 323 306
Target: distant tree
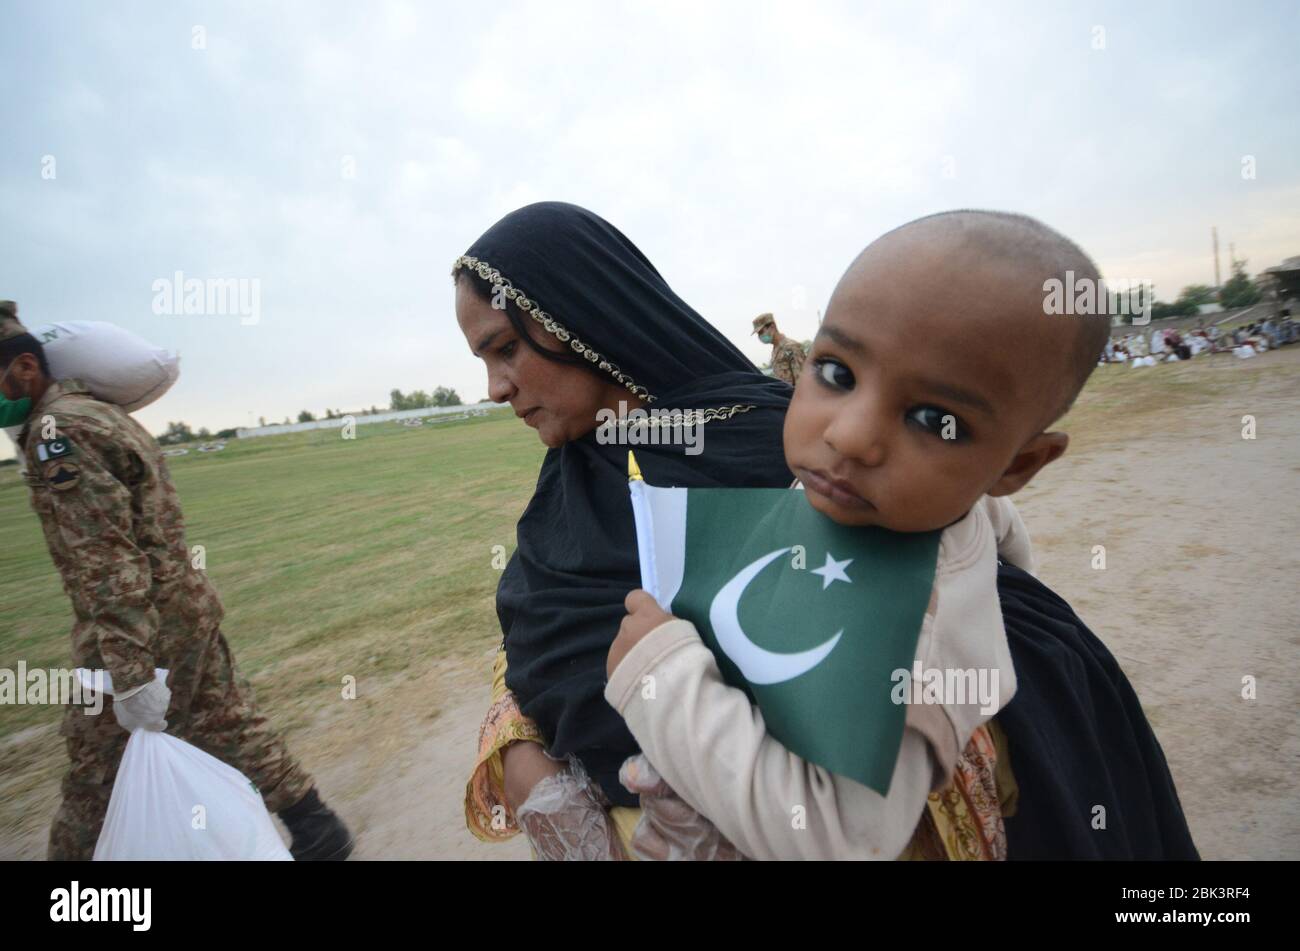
pixel 203 433
pixel 306 417
pixel 396 400
pixel 1193 296
pixel 176 433
pixel 225 434
pixel 418 399
pixel 261 420
pixel 445 397
pixel 1189 299
pixel 1239 290
pixel 374 410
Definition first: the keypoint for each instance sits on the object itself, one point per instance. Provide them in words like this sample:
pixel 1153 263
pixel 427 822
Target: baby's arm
pixel 711 745
pixel 1010 531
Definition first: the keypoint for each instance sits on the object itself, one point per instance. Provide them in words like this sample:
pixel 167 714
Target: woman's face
pixel 558 400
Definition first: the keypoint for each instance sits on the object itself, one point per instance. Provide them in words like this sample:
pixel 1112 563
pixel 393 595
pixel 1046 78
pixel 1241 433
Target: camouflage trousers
pixel 212 707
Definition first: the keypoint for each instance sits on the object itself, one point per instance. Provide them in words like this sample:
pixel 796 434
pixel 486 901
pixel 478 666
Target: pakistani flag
pixel 809 617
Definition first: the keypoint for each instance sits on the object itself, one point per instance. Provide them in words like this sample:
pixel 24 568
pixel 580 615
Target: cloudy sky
pixel 343 154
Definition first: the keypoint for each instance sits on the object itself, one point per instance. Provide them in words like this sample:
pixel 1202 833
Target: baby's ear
pixel 1033 455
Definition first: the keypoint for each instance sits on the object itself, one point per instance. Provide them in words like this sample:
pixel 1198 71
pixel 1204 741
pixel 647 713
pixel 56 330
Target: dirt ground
pixel 1198 591
pixel 1200 529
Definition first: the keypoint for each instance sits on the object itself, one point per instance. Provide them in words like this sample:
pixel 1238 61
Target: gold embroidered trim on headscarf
pixel 490 274
pixel 690 417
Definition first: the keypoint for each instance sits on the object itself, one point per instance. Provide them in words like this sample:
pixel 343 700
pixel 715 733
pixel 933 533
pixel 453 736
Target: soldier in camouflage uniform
pixel 114 528
pixel 787 355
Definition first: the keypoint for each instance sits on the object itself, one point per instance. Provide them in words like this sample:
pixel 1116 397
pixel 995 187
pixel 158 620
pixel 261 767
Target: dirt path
pixel 1199 590
pixel 415 811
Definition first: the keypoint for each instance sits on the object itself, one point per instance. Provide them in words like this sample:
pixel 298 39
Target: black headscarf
pixel 560 600
pixel 1078 739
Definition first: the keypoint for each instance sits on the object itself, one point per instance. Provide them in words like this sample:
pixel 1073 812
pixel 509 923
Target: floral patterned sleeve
pixel 963 821
pixel 486 813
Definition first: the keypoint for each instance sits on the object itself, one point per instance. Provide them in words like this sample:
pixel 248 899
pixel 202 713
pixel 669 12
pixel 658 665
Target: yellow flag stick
pixel 636 486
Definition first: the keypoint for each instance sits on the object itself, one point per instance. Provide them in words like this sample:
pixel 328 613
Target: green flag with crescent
pixel 808 617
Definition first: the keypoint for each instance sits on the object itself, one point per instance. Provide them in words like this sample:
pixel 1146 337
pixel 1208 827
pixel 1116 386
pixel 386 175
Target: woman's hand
pixel 669 829
pixel 565 819
pixel 643 616
pixel 524 765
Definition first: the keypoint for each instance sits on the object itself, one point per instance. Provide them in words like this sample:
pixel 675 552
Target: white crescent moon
pixel 760 666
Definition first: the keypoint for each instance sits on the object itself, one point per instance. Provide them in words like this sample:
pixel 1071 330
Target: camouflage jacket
pixel 114 528
pixel 787 360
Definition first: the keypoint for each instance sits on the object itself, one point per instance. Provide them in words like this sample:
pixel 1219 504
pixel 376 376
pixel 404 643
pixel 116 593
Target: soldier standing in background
pixel 114 528
pixel 787 355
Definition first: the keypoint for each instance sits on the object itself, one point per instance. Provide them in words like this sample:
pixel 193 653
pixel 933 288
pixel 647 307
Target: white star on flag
pixel 833 571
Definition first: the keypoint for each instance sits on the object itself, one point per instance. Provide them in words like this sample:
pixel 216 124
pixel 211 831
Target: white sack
pixel 166 787
pixel 116 365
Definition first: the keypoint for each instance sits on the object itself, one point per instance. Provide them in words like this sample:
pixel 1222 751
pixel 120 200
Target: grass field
pixel 332 556
pixel 373 558
pixel 367 557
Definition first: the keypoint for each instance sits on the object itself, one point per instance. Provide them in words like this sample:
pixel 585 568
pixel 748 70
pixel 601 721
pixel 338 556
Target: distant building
pixel 1280 284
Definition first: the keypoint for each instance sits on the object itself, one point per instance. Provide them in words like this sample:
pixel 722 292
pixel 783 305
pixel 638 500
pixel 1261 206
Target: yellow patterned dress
pixel 962 821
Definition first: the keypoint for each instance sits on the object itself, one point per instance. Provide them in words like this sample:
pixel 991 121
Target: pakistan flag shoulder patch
pixel 47 450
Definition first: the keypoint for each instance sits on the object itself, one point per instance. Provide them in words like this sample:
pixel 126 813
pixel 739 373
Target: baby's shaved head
pixel 938 368
pixel 1011 256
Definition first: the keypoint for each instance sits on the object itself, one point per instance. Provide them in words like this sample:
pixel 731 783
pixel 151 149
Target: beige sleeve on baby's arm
pixel 1012 536
pixel 712 747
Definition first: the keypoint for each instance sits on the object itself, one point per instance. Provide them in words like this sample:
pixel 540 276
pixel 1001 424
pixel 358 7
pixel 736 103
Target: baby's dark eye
pixel 938 421
pixel 834 374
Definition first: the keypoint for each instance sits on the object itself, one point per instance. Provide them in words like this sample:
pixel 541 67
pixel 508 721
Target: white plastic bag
pixel 172 801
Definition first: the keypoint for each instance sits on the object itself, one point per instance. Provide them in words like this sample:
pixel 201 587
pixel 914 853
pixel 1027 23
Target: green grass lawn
pixel 333 557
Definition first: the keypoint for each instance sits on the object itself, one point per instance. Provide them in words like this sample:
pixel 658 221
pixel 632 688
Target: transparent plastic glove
pixel 565 820
pixel 145 708
pixel 669 829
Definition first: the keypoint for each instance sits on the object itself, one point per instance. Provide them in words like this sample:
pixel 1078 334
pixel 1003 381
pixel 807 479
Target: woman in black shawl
pixel 572 319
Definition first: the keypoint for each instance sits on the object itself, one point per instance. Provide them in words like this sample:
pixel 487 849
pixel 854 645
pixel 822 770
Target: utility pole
pixel 1214 234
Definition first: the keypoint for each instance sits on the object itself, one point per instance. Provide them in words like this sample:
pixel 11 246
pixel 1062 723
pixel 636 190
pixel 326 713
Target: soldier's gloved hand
pixel 143 709
pixel 669 829
pixel 565 820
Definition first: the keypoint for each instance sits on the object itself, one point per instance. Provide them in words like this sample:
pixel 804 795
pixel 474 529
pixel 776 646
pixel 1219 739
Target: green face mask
pixel 766 338
pixel 13 412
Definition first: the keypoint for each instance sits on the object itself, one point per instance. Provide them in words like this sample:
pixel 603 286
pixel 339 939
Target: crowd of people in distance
pixel 1169 345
